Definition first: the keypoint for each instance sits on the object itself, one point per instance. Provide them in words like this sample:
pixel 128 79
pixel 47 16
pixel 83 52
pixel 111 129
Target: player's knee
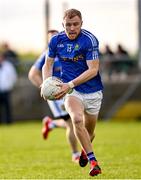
pixel 77 119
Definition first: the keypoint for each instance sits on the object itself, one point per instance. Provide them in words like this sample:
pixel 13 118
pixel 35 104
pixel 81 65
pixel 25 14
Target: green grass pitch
pixel 25 155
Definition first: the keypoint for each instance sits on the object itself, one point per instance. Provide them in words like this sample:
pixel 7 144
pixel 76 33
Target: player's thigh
pixel 74 107
pixel 90 122
pixel 69 125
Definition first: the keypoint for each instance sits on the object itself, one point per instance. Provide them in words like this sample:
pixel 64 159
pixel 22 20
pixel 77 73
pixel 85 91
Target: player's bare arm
pixel 47 68
pixel 35 77
pixel 93 67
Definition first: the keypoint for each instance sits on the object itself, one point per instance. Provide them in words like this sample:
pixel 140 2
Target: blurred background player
pixel 10 54
pixel 8 78
pixel 57 107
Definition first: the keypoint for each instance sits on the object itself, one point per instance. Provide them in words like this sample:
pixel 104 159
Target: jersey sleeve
pixel 40 61
pixel 52 47
pixel 92 48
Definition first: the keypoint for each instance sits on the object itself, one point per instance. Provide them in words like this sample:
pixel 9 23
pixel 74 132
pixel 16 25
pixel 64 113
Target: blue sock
pixel 52 125
pixel 91 156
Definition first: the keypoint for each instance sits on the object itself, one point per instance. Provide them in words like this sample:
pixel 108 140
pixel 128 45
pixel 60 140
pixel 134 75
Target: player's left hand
pixel 63 91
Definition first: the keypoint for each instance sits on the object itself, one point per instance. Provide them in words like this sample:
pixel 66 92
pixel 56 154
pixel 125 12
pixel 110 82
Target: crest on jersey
pixel 76 47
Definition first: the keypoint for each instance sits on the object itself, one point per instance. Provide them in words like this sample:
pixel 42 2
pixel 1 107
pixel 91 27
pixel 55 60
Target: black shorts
pixel 65 117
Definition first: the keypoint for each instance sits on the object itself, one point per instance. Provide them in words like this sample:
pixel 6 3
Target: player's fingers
pixel 41 92
pixel 59 95
pixel 44 98
pixel 59 85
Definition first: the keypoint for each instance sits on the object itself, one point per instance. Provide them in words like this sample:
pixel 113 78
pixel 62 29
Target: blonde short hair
pixel 70 13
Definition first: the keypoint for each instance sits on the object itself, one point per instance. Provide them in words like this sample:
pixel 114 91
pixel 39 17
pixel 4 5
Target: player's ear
pixel 81 23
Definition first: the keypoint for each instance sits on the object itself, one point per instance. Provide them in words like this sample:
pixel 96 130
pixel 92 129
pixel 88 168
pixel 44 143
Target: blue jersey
pixel 56 67
pixel 73 55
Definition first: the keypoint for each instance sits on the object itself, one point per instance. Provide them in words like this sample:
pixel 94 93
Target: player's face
pixel 72 27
